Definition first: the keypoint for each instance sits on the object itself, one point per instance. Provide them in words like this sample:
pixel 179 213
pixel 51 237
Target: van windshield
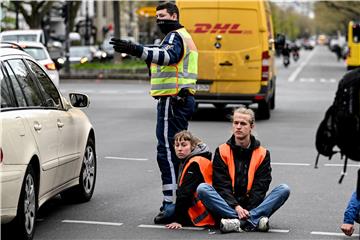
pixel 20 38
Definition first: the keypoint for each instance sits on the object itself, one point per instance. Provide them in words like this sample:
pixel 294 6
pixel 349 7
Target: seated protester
pixel 195 168
pixel 352 213
pixel 241 178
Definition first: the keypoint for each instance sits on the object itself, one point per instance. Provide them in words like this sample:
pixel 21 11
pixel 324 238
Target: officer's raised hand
pixel 123 46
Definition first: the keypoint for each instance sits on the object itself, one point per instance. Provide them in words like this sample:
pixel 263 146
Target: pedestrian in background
pixel 351 215
pixel 241 178
pixel 173 70
pixel 195 168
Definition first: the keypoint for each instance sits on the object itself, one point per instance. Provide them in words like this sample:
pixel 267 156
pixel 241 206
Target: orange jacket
pixel 197 212
pixel 257 158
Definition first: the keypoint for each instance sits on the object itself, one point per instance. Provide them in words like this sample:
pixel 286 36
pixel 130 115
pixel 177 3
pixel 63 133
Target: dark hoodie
pixel 242 157
pixel 191 180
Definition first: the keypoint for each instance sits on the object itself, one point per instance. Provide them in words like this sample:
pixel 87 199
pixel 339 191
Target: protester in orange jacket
pixel 241 178
pixel 195 168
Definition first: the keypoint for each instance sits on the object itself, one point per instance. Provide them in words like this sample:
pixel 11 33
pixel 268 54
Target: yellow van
pixel 235 41
pixel 353 57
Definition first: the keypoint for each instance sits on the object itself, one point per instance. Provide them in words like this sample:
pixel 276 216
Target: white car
pixel 32 35
pixel 39 52
pixel 47 143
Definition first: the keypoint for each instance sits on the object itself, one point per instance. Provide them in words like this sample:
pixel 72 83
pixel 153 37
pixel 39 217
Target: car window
pixel 20 77
pixel 20 38
pixel 48 88
pixel 5 97
pixel 36 53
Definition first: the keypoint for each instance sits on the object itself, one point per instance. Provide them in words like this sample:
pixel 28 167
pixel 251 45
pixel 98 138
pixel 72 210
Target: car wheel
pixel 84 191
pixel 24 223
pixel 264 109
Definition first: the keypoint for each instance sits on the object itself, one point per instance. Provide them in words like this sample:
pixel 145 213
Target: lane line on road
pixel 340 165
pixel 163 227
pixel 294 75
pixel 130 159
pixel 92 222
pixel 332 234
pixel 279 230
pixel 290 164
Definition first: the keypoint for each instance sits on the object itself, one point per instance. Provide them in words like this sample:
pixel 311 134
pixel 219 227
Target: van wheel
pixel 24 223
pixel 84 191
pixel 272 101
pixel 220 106
pixel 264 109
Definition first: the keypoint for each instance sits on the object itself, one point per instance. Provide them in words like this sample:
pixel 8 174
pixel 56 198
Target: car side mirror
pixel 79 100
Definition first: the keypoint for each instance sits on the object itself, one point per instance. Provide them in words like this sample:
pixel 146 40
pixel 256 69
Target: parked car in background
pixel 41 55
pixel 34 35
pixel 47 145
pixel 82 54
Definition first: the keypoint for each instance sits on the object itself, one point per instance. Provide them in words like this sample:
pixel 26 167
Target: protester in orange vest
pixel 241 178
pixel 195 168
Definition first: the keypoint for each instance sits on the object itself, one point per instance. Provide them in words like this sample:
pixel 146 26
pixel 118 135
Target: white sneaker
pixel 230 225
pixel 263 225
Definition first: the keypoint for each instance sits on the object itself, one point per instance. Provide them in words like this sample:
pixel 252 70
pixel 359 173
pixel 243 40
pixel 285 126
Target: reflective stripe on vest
pixel 168 80
pixel 257 158
pixel 197 212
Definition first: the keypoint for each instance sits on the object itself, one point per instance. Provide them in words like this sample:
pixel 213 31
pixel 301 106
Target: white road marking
pixel 92 222
pixel 307 80
pixel 163 227
pixel 131 159
pixel 290 164
pixel 340 165
pixel 331 234
pixel 294 75
pixel 279 230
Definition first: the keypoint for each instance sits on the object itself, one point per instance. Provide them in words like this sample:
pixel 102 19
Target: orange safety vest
pixel 197 212
pixel 257 158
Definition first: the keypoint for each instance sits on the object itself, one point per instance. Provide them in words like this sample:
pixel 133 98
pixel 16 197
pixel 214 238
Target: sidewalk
pixel 119 74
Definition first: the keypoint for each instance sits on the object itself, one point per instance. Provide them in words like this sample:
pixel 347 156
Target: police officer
pixel 173 71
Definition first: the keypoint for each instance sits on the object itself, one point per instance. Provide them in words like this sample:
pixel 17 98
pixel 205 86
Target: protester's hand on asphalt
pixel 348 229
pixel 174 225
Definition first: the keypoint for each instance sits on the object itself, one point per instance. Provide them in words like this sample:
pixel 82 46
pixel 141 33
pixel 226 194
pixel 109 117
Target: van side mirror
pixel 79 100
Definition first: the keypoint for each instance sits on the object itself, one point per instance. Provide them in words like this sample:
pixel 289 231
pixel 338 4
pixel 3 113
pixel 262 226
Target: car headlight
pixel 84 60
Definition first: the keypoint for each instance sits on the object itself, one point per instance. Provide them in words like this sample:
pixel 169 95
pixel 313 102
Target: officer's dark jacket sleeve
pixel 261 183
pixel 185 192
pixel 222 180
pixel 168 53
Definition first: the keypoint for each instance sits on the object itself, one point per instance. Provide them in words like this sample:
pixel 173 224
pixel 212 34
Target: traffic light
pixel 65 12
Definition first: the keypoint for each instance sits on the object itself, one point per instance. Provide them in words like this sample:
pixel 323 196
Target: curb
pixel 126 74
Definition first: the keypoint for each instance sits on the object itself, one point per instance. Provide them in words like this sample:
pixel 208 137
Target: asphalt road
pixel 128 189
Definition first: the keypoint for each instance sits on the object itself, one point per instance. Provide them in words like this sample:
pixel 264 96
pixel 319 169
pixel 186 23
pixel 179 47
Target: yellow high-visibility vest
pixel 169 80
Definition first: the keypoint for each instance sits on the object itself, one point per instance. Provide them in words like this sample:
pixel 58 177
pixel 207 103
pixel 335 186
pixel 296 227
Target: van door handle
pixel 247 57
pixel 37 126
pixel 226 63
pixel 60 124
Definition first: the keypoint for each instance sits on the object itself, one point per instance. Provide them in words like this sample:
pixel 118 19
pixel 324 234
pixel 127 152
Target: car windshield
pixel 36 53
pixel 20 38
pixel 80 51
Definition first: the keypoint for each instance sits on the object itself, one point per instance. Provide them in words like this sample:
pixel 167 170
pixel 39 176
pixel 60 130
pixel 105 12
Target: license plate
pixel 202 87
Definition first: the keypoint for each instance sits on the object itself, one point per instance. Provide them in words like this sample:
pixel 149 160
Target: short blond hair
pixel 186 135
pixel 247 111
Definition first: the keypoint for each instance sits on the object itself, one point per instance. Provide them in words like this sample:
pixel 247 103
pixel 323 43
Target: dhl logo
pixel 231 28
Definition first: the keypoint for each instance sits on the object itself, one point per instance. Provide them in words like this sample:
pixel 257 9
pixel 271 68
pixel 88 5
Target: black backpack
pixel 341 124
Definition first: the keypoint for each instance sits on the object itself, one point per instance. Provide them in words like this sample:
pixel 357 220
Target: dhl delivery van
pixel 235 41
pixel 353 37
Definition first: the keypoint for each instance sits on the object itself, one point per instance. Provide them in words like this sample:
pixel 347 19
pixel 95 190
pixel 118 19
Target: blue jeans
pixel 218 206
pixel 172 117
